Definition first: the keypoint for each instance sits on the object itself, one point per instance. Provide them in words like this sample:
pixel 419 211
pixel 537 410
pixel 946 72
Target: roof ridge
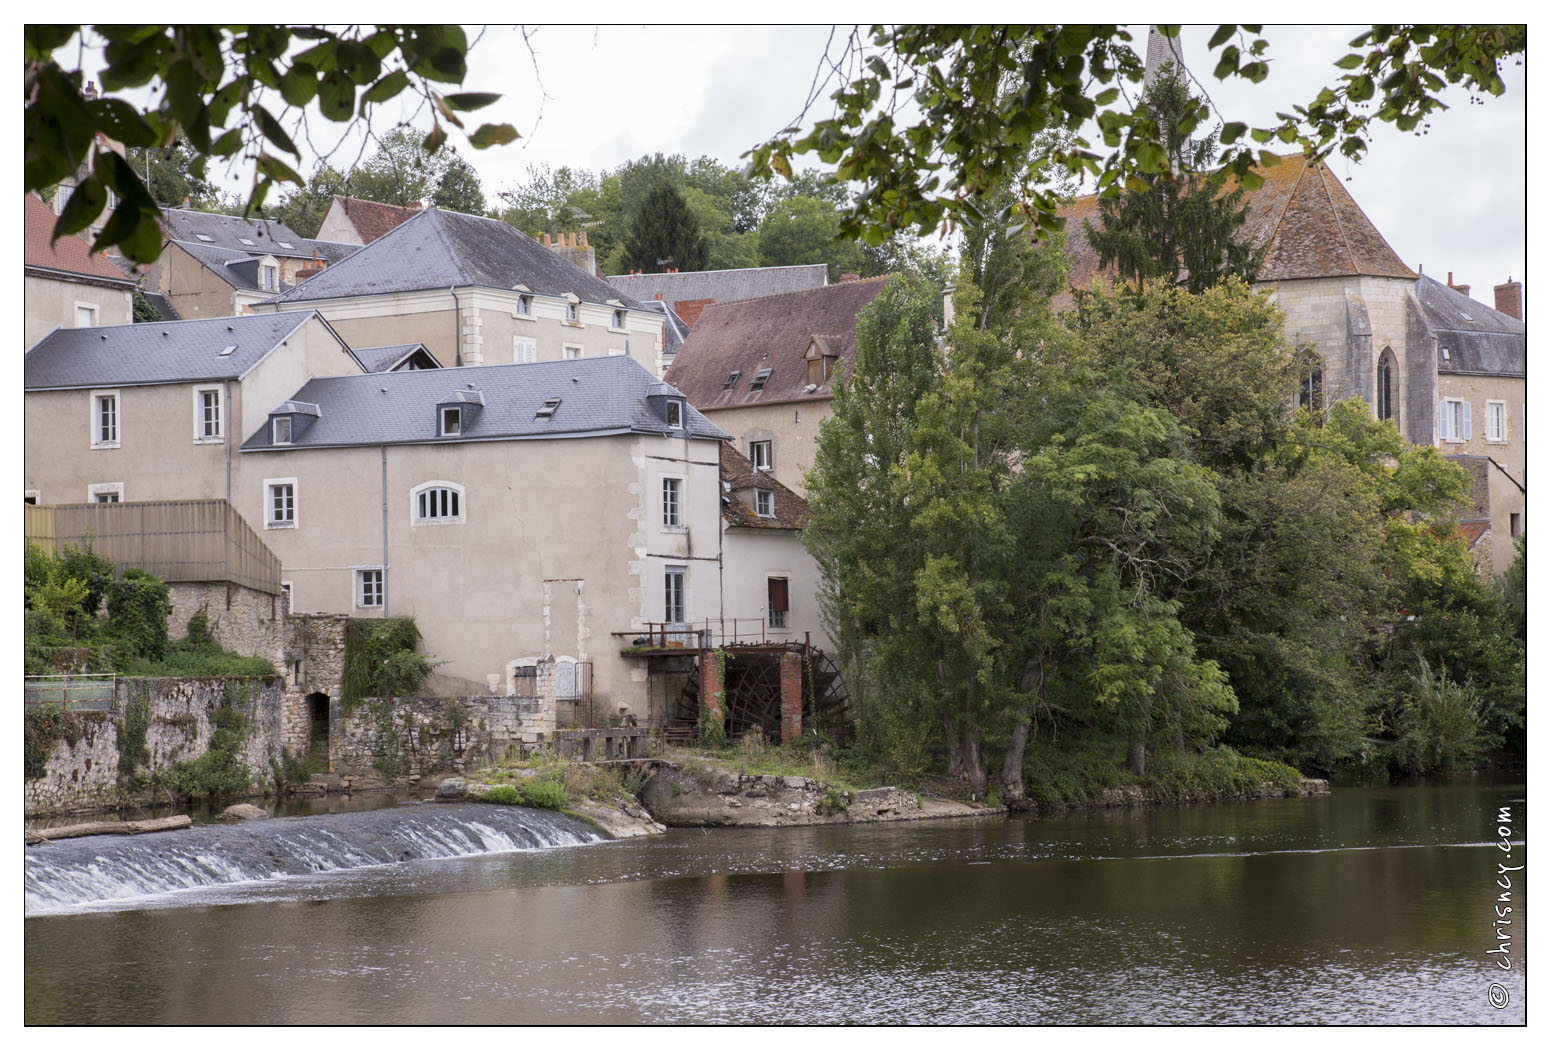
pixel 1351 257
pixel 1281 216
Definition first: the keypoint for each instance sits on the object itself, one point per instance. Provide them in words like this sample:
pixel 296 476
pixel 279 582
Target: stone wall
pixel 83 774
pixel 402 739
pixel 314 662
pixel 242 620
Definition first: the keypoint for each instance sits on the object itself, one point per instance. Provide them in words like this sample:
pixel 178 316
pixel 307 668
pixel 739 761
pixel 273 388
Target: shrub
pixel 46 726
pixel 221 772
pixel 380 660
pixel 534 792
pixel 138 607
pixel 1440 725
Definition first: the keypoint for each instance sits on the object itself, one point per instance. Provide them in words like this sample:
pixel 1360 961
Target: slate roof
pixel 329 251
pixel 721 285
pixel 674 331
pixel 1302 214
pixel 269 237
pixel 1479 339
pixel 436 249
pixel 769 332
pixel 156 352
pixel 372 219
pixel 598 396
pixel 791 510
pixel 238 269
pixel 386 359
pixel 164 308
pixel 70 256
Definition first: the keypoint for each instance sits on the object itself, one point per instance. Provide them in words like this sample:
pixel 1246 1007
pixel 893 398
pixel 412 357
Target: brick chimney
pixel 1510 299
pixel 580 255
pixel 1463 290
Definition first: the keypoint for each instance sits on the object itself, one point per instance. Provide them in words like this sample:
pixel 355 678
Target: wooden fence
pixel 178 540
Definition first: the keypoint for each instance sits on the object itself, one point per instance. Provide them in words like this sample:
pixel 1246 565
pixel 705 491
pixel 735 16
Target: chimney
pixel 1510 299
pixel 546 242
pixel 1463 290
pixel 91 90
pixel 580 256
pixel 846 279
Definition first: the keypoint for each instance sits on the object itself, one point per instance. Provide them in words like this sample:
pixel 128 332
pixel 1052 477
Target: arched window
pixel 437 503
pixel 1384 389
pixel 1311 384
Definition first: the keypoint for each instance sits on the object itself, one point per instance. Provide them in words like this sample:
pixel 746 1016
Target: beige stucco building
pixel 64 284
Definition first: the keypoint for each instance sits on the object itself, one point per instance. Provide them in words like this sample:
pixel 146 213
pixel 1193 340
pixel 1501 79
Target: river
pixel 1370 905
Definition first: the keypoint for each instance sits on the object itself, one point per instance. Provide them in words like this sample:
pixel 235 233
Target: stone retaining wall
pixel 402 739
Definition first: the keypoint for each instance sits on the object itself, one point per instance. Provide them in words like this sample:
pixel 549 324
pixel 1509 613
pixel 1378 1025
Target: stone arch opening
pixel 318 718
pixel 1386 386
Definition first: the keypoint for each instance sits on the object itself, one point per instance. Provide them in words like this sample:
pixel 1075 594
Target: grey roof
pixel 386 359
pixel 598 395
pixel 163 307
pixel 238 269
pixel 330 252
pixel 1479 339
pixel 674 330
pixel 227 231
pixel 156 352
pixel 436 249
pixel 722 285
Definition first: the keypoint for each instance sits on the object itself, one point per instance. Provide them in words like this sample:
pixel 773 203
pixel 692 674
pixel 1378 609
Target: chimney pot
pixel 546 241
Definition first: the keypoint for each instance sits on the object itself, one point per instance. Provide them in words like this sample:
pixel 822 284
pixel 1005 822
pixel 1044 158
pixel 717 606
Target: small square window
pixel 761 378
pixel 572 352
pixel 572 312
pixel 759 455
pixel 280 431
pixel 764 503
pixel 524 351
pixel 85 315
pixel 619 319
pixel 105 492
pixel 452 421
pixel 286 244
pixel 280 504
pixel 368 589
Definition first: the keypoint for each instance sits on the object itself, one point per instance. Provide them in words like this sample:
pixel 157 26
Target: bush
pixel 138 608
pixel 1440 726
pixel 380 660
pixel 221 772
pixel 534 792
pixel 46 726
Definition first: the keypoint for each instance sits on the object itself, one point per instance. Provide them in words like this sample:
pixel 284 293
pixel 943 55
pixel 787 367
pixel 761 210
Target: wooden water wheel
pixel 753 695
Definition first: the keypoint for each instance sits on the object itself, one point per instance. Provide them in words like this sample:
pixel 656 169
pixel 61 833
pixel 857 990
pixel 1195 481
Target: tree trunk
pixel 975 771
pixel 1136 760
pixel 1012 765
pixel 950 735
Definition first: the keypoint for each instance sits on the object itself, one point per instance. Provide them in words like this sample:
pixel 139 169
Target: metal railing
pixel 87 693
pixel 707 634
pixel 176 540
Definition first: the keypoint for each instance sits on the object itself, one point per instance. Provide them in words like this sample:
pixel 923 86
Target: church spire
pixel 1161 49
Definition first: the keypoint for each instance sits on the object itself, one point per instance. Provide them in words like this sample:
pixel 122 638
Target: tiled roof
pixel 69 255
pixel 739 475
pixel 673 330
pixel 1302 214
pixel 721 286
pixel 597 395
pixel 238 269
pixel 772 332
pixel 1477 339
pixel 436 249
pixel 328 251
pixel 1472 532
pixel 156 352
pixel 268 236
pixel 386 359
pixel 371 219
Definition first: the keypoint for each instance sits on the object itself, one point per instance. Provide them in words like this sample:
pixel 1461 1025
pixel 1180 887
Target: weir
pixel 107 872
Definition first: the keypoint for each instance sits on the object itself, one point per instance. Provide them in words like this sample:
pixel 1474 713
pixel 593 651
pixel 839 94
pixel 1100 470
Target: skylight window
pixel 205 238
pixel 246 241
pixel 732 380
pixel 760 379
pixel 547 410
pixel 285 244
pixel 227 350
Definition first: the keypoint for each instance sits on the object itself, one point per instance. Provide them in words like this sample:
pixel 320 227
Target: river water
pixel 1367 906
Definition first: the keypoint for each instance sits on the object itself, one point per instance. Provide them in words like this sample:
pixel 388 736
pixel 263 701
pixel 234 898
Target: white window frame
pixel 675 409
pixel 200 435
pixel 767 447
pixel 523 308
pixel 764 497
pixel 780 620
pixel 453 413
pixel 670 593
pixel 274 430
pixel 1454 420
pixel 31 496
pixel 1500 417
pixel 567 349
pixel 573 312
pixel 90 308
pixel 117 438
pixel 672 508
pixel 270 521
pixel 359 576
pixel 99 489
pixel 617 320
pixel 456 490
pixel 524 351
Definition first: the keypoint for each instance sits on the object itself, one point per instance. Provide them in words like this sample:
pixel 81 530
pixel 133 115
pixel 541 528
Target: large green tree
pixel 458 189
pixel 664 234
pixel 228 91
pixel 801 230
pixel 304 208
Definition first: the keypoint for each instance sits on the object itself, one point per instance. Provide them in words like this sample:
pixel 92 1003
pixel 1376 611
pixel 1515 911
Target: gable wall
pixel 792 428
pixel 49 302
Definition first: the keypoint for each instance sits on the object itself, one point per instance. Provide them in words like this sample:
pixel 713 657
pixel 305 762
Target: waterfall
pixel 76 875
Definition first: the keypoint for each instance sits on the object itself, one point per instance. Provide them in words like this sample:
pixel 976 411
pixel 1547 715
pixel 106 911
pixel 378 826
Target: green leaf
pixel 1219 38
pixel 272 131
pixel 39 42
pixel 85 204
pixel 434 140
pixel 299 85
pixel 1350 62
pixel 336 96
pixel 277 170
pixel 487 135
pixel 122 122
pixel 119 176
pixel 386 88
pixel 470 100
pixel 134 230
pixel 1232 132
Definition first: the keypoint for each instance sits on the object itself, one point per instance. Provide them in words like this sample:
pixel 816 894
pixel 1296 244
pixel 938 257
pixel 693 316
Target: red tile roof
pixel 1302 214
pixel 371 220
pixel 1473 532
pixel 70 254
pixel 771 332
pixel 739 475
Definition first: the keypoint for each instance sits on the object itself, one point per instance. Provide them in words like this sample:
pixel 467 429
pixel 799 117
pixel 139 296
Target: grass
pixel 194 659
pixel 575 781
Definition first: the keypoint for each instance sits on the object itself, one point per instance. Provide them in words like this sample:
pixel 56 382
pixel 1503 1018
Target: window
pixel 779 603
pixel 105 492
pixel 247 241
pixel 85 315
pixel 1513 525
pixel 280 431
pixel 1454 420
pixel 759 453
pixel 673 594
pixel 1496 421
pixel 30 497
pixel 286 245
pixel 675 413
pixel 207 414
pixel 438 503
pixel 672 490
pixel 547 410
pixel 819 370
pixel 279 503
pixel 1311 394
pixel 368 588
pixel 764 503
pixel 452 421
pixel 205 238
pixel 619 319
pixel 105 428
pixel 285 597
pixel 572 352
pixel 525 306
pixel 760 379
pixel 524 351
pixel 269 278
pixel 572 313
pixel 1384 389
pixel 732 380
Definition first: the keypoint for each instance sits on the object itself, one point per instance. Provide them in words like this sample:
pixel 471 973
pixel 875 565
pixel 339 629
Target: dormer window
pixel 452 421
pixel 760 379
pixel 764 503
pixel 269 274
pixel 572 312
pixel 619 319
pixel 675 408
pixel 525 306
pixel 732 380
pixel 280 430
pixel 547 410
pixel 286 244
